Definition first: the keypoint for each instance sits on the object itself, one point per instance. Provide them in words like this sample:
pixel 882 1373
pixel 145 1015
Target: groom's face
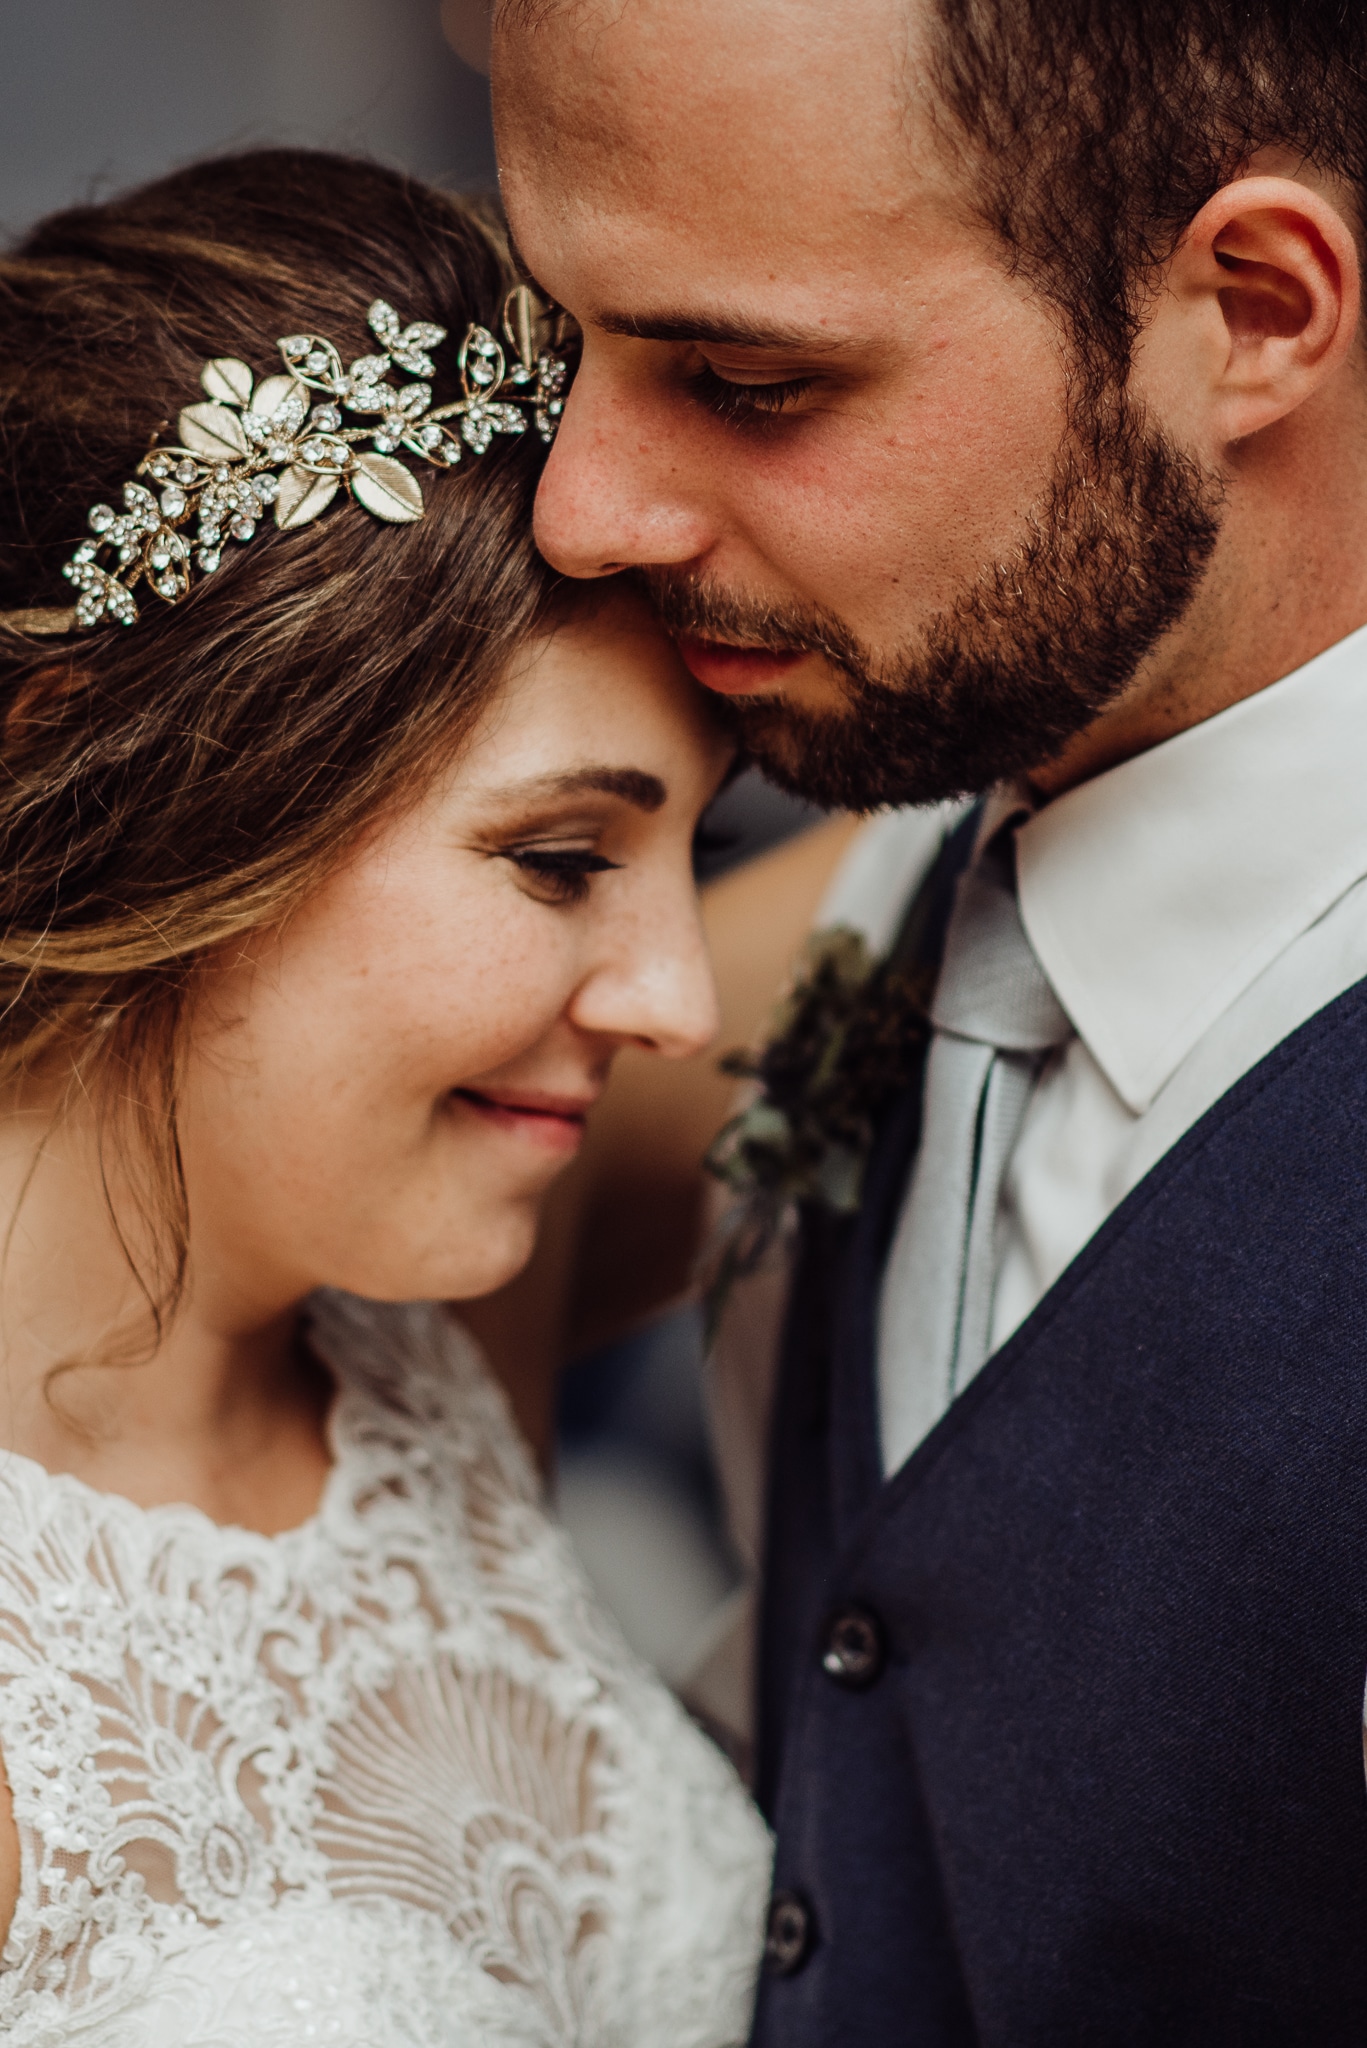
pixel 815 404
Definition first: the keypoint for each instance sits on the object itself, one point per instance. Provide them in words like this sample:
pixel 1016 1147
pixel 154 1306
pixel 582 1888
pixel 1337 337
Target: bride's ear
pixel 1257 310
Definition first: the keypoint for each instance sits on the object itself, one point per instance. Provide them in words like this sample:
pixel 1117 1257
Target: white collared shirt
pixel 1191 908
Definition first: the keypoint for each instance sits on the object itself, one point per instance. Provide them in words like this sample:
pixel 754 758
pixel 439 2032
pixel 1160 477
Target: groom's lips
pixel 736 671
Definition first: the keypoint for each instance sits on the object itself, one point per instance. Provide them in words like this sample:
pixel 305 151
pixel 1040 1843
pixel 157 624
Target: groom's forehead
pixel 735 134
pixel 649 90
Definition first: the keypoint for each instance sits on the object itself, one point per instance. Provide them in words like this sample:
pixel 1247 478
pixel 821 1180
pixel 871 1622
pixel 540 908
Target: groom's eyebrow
pixel 633 785
pixel 731 331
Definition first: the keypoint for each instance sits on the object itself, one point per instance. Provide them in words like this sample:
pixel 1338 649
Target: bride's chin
pixel 477 1278
pixel 467 1223
pixel 471 1255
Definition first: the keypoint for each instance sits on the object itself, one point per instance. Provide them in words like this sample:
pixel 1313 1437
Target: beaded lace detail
pixel 389 1780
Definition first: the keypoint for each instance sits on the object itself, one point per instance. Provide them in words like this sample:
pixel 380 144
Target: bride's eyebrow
pixel 633 785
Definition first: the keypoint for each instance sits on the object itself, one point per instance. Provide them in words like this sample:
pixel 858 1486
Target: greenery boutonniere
pixel 847 1042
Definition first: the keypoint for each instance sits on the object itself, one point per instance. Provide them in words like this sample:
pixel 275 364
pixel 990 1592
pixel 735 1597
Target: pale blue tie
pixel 996 1019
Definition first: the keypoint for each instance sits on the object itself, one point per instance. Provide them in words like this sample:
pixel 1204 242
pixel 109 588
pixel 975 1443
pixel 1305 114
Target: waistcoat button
pixel 855 1653
pixel 788 1936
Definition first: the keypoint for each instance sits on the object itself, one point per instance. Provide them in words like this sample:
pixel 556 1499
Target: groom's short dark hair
pixel 1097 129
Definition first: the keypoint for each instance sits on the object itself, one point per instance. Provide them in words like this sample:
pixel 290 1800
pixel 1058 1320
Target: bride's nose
pixel 654 985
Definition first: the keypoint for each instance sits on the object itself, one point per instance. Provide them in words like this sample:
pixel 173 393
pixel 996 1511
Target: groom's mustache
pixel 691 608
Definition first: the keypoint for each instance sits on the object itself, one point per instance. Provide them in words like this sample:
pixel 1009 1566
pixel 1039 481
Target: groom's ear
pixel 1257 310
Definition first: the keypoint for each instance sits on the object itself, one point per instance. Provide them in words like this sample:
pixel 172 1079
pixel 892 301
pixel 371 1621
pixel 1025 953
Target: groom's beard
pixel 1000 680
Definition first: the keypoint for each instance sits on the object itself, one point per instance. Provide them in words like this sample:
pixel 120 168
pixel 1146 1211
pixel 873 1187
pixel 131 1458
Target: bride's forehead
pixel 591 717
pixel 605 652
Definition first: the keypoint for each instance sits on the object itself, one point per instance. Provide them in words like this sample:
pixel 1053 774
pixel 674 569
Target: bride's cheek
pixel 503 984
pixel 326 1108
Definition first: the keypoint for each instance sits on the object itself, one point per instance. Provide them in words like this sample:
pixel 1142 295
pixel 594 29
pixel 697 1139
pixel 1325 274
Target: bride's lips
pixel 736 671
pixel 555 1121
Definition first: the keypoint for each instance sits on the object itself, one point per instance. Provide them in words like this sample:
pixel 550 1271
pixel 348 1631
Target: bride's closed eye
pixel 557 874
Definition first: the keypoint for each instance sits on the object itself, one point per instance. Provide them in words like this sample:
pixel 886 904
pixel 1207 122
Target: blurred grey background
pixel 96 95
pixel 99 94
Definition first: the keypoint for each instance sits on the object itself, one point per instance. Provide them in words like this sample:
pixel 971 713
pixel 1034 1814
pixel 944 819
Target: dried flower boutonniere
pixel 847 1042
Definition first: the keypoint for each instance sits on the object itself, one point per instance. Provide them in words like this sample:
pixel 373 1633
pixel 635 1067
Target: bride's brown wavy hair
pixel 167 786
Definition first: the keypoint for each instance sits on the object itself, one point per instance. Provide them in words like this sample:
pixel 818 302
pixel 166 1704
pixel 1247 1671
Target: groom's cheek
pixel 881 504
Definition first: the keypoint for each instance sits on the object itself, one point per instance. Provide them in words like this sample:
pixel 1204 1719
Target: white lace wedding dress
pixel 387 1781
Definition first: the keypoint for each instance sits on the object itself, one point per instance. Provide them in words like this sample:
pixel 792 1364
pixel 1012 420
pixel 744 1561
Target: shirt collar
pixel 1156 893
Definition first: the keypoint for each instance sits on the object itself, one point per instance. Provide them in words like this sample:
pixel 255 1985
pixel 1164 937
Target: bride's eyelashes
pixel 557 874
pixel 745 404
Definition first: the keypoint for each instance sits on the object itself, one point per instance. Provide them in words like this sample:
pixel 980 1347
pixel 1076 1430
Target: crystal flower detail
pixel 284 445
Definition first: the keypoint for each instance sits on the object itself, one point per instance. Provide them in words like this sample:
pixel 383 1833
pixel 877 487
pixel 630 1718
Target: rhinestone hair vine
pixel 249 447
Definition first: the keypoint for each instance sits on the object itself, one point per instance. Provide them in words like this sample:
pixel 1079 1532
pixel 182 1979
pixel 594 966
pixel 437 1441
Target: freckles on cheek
pixel 511 994
pixel 465 994
pixel 420 967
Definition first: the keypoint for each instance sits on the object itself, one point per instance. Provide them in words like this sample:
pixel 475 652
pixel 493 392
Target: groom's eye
pixel 559 874
pixel 741 403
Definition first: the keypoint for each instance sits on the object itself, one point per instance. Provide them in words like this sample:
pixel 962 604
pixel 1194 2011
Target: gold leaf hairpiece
pixel 248 447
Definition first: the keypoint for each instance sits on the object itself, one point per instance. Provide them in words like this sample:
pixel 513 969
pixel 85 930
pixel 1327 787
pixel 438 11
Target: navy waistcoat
pixel 1095 1775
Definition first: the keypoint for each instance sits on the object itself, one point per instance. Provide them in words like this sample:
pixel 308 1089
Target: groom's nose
pixel 618 490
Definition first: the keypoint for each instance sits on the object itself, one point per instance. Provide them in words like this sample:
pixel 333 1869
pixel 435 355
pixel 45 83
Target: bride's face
pixel 379 1093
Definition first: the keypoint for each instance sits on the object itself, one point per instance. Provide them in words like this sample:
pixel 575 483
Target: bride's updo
pixel 169 785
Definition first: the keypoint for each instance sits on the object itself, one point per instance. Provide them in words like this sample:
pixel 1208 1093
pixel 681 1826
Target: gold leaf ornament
pixel 214 431
pixel 228 381
pixel 274 392
pixel 302 496
pixel 387 489
pixel 247 446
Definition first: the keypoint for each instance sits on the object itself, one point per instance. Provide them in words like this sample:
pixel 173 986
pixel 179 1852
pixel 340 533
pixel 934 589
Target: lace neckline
pixel 348 1427
pixel 170 1515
